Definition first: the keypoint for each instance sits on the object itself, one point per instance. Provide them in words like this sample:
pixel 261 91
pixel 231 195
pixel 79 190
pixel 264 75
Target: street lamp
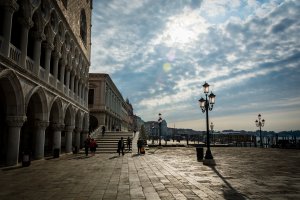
pixel 260 124
pixel 205 105
pixel 152 133
pixel 159 123
pixel 212 131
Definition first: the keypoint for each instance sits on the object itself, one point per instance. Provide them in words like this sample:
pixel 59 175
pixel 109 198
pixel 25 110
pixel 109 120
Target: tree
pixel 143 135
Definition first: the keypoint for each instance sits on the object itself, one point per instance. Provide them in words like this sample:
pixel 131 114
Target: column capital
pixel 41 124
pixel 69 128
pixel 39 35
pixel 26 22
pixel 15 121
pixel 57 126
pixel 77 129
pixel 11 6
pixel 56 54
pixel 68 67
pixel 48 45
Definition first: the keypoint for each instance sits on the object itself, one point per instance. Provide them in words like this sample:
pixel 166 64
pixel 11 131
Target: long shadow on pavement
pixel 229 192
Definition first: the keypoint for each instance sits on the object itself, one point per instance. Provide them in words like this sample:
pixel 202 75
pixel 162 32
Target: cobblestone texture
pixel 167 173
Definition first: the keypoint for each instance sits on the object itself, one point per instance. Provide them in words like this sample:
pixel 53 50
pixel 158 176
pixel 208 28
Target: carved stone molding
pixel 15 121
pixel 41 124
pixel 69 128
pixel 11 5
pixel 57 126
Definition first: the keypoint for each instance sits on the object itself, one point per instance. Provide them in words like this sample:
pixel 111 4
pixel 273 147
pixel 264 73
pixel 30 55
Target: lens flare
pixel 167 67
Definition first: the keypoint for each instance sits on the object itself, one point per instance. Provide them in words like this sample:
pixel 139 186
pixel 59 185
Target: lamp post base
pixel 209 162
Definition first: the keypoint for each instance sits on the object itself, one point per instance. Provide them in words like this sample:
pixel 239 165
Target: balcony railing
pixel 29 64
pixel 14 53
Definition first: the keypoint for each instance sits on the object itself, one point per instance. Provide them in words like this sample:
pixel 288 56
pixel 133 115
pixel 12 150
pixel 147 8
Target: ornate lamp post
pixel 207 105
pixel 260 123
pixel 159 123
pixel 212 131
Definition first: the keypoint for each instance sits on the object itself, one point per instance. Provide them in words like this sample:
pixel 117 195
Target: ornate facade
pixel 44 64
pixel 106 104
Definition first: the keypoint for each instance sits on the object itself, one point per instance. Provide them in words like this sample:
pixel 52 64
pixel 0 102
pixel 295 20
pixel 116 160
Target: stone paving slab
pixel 167 173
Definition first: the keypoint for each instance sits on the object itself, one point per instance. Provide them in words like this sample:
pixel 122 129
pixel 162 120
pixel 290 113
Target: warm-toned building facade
pixel 106 104
pixel 44 65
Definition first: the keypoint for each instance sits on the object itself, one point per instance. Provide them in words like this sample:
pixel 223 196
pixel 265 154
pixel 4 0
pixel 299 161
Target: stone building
pixel 106 104
pixel 45 50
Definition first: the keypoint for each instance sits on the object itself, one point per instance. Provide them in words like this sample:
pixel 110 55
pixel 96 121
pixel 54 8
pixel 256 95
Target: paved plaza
pixel 167 173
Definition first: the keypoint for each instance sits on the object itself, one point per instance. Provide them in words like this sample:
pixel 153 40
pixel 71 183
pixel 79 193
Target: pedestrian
pixel 139 145
pixel 103 130
pixel 121 146
pixel 93 145
pixel 129 143
pixel 86 146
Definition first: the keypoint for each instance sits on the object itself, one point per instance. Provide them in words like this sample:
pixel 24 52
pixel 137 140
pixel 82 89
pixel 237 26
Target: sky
pixel 159 53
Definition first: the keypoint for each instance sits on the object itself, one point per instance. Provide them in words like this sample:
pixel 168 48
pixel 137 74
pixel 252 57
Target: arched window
pixel 83 26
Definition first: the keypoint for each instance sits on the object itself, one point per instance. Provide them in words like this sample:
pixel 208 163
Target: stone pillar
pixel 56 56
pixel 62 75
pixel 68 78
pixel 76 86
pixel 7 24
pixel 48 50
pixel 26 25
pixel 57 128
pixel 39 37
pixel 77 137
pixel 72 82
pixel 13 141
pixel 40 127
pixel 69 131
pixel 79 92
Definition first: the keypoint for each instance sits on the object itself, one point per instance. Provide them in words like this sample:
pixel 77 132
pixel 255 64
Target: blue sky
pixel 159 53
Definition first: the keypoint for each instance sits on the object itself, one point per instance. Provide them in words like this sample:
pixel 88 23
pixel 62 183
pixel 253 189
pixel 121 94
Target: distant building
pixel 107 106
pixel 44 63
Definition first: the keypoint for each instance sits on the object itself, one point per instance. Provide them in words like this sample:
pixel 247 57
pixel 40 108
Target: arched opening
pixel 35 113
pixel 16 28
pixel 93 123
pixel 11 104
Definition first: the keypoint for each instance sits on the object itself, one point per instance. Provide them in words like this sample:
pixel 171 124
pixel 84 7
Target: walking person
pixel 129 143
pixel 93 146
pixel 139 145
pixel 121 146
pixel 103 130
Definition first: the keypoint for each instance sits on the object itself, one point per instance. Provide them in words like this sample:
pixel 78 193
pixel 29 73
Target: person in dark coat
pixel 86 146
pixel 103 130
pixel 129 143
pixel 121 146
pixel 139 145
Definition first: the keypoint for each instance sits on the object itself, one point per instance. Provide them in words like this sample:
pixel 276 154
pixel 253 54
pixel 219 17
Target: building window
pixel 83 26
pixel 91 96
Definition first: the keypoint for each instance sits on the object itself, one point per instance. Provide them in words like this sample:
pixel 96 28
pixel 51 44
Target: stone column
pixel 69 131
pixel 79 92
pixel 26 25
pixel 77 137
pixel 76 87
pixel 48 50
pixel 13 141
pixel 68 78
pixel 39 37
pixel 62 75
pixel 72 82
pixel 56 56
pixel 57 128
pixel 7 24
pixel 40 127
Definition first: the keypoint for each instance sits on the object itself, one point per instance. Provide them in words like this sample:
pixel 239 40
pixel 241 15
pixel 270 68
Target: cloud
pixel 159 53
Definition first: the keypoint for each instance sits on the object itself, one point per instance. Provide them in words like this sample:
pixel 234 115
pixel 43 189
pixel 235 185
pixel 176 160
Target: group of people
pixel 121 145
pixel 90 144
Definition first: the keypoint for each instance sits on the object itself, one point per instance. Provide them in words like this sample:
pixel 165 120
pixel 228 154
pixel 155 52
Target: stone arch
pixel 13 88
pixel 57 116
pixel 36 106
pixel 39 91
pixel 11 104
pixel 78 119
pixel 69 117
pixel 93 123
